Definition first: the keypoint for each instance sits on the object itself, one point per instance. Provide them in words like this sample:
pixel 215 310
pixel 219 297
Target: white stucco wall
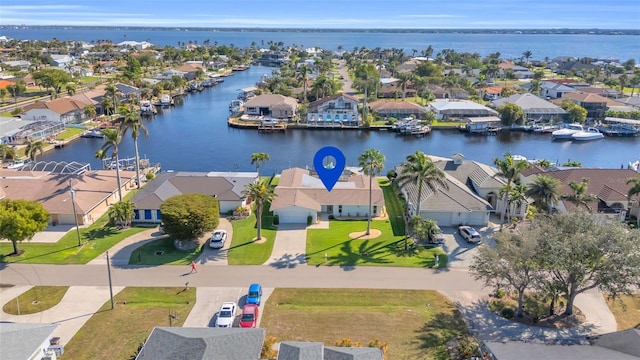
pixel 40 114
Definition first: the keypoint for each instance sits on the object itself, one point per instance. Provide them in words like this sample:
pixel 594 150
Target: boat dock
pixel 272 128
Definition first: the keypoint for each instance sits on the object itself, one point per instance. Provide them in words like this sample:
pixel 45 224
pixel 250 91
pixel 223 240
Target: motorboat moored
pixel 567 132
pixel 587 134
pixel 95 133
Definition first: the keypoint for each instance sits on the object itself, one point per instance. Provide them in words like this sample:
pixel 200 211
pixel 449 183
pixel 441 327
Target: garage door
pixel 478 218
pixel 293 218
pixel 442 218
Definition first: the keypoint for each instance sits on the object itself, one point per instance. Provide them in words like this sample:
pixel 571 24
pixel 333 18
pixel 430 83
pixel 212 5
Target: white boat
pixel 567 132
pixel 166 100
pixel 95 133
pixel 588 134
pixel 17 164
pixel 146 107
pixel 635 166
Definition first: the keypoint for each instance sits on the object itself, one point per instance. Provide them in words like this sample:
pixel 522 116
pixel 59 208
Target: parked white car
pixel 217 239
pixel 470 234
pixel 226 315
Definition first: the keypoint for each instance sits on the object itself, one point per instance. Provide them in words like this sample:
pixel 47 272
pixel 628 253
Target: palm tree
pixel 101 155
pixel 634 191
pixel 90 111
pixel 419 170
pixel 132 121
pixel 527 55
pixel 112 138
pixel 6 152
pixel 403 80
pixel 518 196
pixel 510 169
pixel 303 75
pixel 121 213
pixel 372 162
pixel 261 193
pixel 545 190
pixel 33 148
pixel 259 159
pixel 580 196
pixel 544 163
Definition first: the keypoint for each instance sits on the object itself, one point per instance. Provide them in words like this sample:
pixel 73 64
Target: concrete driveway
pixel 289 248
pixel 461 252
pixel 210 299
pixel 218 257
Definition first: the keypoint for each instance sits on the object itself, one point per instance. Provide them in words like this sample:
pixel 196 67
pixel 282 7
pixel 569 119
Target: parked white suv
pixel 470 234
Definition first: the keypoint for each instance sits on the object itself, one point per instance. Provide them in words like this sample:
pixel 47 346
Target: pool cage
pixel 57 167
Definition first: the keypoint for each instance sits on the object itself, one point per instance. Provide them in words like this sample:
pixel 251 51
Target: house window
pixel 147 214
pixel 158 215
pixel 375 209
pixel 136 214
pixel 340 209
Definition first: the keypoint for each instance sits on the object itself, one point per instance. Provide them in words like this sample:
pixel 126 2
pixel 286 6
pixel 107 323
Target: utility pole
pixel 75 216
pixel 109 274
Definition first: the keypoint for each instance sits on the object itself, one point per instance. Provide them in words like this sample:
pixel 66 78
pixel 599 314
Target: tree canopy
pixel 511 113
pixel 21 219
pixel 189 216
pixel 52 78
pixel 576 112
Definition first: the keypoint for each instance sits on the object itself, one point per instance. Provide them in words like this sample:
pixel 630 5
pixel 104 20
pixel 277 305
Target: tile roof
pixel 52 190
pixel 224 186
pixel 585 97
pixel 298 188
pixel 396 105
pixel 61 106
pixel 23 340
pixel 271 100
pixel 202 343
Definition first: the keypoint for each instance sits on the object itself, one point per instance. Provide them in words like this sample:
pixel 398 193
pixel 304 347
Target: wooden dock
pixel 272 128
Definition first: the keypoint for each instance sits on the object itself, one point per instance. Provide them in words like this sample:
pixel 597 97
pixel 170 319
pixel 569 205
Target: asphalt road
pixel 301 276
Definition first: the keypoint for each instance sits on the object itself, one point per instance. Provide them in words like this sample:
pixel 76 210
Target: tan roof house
pixel 300 195
pixel 65 109
pixel 340 109
pixel 94 191
pixel 272 106
pixel 398 109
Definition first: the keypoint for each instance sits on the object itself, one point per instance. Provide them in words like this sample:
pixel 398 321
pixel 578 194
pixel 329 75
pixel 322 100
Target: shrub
pixel 508 313
pixel 309 220
pixel 150 176
pixel 276 220
pixel 500 294
pixel 16 111
pixel 331 217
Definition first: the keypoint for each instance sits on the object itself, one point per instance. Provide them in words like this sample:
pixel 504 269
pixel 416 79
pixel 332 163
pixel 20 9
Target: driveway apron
pixel 290 246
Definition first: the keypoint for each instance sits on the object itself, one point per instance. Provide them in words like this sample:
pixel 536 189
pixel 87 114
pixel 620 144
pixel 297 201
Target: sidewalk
pixel 121 252
pixel 76 307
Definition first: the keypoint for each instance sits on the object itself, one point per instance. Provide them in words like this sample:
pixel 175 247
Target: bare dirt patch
pixel 259 241
pixel 373 233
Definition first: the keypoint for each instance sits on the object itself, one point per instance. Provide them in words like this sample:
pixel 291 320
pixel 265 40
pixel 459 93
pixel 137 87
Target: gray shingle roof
pixel 21 341
pixel 292 350
pixel 225 186
pixel 352 353
pixel 172 343
pixel 531 104
pixel 529 351
pixel 481 175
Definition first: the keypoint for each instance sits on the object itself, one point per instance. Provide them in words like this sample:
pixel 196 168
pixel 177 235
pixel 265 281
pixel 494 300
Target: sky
pixel 476 14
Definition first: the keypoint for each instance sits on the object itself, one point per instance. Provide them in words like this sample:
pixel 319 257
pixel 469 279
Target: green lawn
pixel 415 324
pixel 117 333
pixel 96 239
pixel 170 255
pixel 69 132
pixel 36 299
pixel 385 250
pixel 394 205
pixel 243 250
pixel 626 311
pixel 447 123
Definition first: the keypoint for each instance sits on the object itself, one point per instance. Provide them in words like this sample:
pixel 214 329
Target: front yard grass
pixel 36 299
pixel 626 311
pixel 149 254
pixel 385 250
pixel 243 250
pixel 69 132
pixel 117 333
pixel 416 324
pixel 393 204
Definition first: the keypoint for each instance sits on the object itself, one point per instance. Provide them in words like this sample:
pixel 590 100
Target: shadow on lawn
pixel 442 327
pixel 368 252
pixel 6 258
pixel 103 232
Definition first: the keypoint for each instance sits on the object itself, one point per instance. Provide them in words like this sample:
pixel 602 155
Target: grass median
pixel 415 324
pixel 34 300
pixel 626 310
pixel 163 252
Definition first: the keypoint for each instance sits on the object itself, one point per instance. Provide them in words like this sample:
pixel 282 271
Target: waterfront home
pixel 94 190
pixel 536 108
pixel 609 186
pixel 458 205
pixel 272 106
pixel 273 58
pixel 92 97
pixel 65 110
pixel 191 70
pixel 335 109
pixel 137 45
pixel 226 187
pixel 167 343
pixel 301 195
pixel 482 125
pixel 595 105
pixel 27 341
pixel 398 109
pixel 492 93
pixel 169 74
pixel 554 90
pixel 449 110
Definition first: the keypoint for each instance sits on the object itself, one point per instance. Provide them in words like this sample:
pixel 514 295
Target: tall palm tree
pixel 634 191
pixel 132 121
pixel 34 147
pixel 510 169
pixel 112 138
pixel 580 195
pixel 6 152
pixel 101 155
pixel 545 190
pixel 259 159
pixel 261 193
pixel 372 162
pixel 303 74
pixel 90 111
pixel 527 55
pixel 419 170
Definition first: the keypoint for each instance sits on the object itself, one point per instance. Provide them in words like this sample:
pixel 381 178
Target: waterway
pixel 194 136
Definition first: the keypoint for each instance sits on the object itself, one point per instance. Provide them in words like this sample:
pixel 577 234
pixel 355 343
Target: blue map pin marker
pixel 329 173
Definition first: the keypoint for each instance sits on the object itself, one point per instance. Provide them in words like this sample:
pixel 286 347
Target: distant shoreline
pixel 552 31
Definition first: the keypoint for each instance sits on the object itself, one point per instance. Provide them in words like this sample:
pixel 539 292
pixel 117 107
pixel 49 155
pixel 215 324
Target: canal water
pixel 194 136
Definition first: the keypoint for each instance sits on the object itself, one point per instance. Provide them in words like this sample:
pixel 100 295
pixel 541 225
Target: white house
pixel 272 106
pixel 227 187
pixel 300 195
pixel 335 109
pixel 66 110
pixel 552 90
